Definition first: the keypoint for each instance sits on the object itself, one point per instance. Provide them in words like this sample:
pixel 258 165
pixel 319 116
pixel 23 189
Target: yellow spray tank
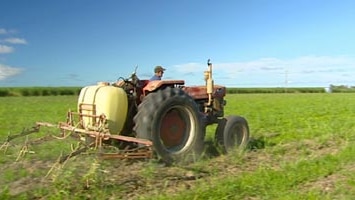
pixel 105 99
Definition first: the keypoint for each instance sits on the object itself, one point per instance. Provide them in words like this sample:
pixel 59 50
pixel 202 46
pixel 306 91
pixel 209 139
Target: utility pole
pixel 286 80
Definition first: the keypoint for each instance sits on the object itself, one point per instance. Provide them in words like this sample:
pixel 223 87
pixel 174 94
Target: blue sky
pixel 251 43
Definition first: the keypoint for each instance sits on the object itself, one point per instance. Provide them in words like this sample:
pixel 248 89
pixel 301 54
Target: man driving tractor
pixel 158 73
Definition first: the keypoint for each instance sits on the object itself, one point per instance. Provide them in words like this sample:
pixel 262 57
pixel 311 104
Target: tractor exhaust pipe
pixel 209 82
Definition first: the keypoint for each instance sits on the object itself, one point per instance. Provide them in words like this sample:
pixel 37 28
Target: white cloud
pixel 189 68
pixel 6 49
pixel 7 31
pixel 15 41
pixel 7 71
pixel 3 31
pixel 275 72
pixel 10 40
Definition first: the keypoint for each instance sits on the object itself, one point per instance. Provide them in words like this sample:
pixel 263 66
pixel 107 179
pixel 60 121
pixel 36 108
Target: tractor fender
pixel 152 86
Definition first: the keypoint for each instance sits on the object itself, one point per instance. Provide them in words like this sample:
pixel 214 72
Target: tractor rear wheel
pixel 171 120
pixel 232 132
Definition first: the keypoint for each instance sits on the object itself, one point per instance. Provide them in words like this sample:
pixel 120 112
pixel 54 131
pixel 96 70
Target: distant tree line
pixel 341 89
pixel 330 89
pixel 276 90
pixel 57 91
pixel 39 91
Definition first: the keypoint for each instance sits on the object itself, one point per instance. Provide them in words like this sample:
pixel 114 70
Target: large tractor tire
pixel 171 120
pixel 232 133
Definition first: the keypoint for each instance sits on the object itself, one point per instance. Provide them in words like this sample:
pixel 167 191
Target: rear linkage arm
pixel 144 151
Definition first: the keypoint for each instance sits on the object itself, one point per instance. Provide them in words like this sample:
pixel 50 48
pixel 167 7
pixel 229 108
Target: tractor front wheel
pixel 171 120
pixel 232 132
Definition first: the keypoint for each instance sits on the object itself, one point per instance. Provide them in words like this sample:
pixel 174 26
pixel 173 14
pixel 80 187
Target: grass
pixel 302 147
pixel 265 183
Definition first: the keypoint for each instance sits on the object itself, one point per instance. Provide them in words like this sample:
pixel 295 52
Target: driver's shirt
pixel 155 78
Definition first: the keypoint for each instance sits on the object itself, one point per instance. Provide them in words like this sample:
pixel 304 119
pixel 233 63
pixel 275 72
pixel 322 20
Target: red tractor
pixel 140 117
pixel 174 116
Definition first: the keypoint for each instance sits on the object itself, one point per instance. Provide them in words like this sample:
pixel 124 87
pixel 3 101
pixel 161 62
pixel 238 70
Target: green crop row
pixel 39 91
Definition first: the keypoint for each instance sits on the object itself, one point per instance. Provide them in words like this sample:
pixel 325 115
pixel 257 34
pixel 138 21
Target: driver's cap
pixel 158 69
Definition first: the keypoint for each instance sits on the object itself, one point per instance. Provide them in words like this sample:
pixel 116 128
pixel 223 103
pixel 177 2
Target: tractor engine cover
pixel 108 100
